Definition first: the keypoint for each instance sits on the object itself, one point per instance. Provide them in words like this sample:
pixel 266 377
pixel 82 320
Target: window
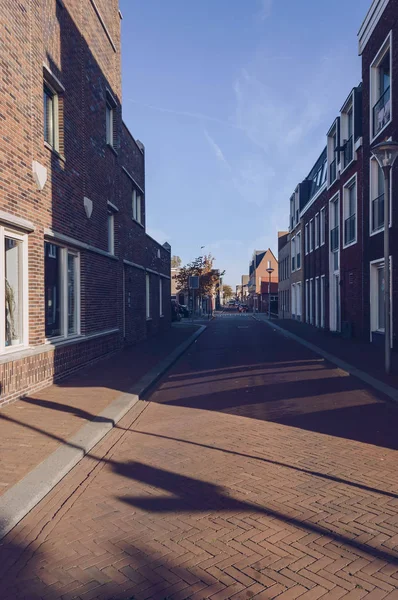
pixel 334 225
pixel 377 197
pixel 62 295
pixel 377 292
pixel 317 294
pixel 317 236
pixel 311 234
pixel 160 296
pixel 293 253
pixel 323 299
pixel 294 300
pixel 332 144
pixel 298 300
pixel 311 301
pixel 298 251
pixel 307 301
pixel 350 209
pixel 136 206
pixel 380 90
pixel 148 295
pixel 52 110
pixel 348 135
pixel 111 233
pixel 13 287
pixel 50 125
pixel 306 244
pixel 110 119
pixel 322 226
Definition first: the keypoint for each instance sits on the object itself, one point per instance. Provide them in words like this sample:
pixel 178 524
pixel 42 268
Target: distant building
pixel 257 273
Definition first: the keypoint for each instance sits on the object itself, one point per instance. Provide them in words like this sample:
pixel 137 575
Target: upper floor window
pixel 111 232
pixel 347 124
pixel 148 296
pixel 110 119
pixel 136 206
pixel 317 230
pixel 377 197
pixel 334 227
pixel 380 88
pixel 306 242
pixel 52 111
pixel 322 226
pixel 350 210
pixel 311 235
pixel 332 144
pixel 293 253
pixel 298 251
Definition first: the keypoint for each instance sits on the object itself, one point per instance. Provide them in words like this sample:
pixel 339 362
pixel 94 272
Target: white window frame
pixel 307 302
pixel 317 299
pixel 64 294
pixel 6 231
pixel 317 231
pixel 298 300
pixel 306 239
pixel 311 303
pixel 311 234
pixel 373 174
pixel 298 250
pixel 161 297
pixel 322 300
pixel 111 232
pixel 349 106
pixel 147 296
pixel 373 266
pixel 55 119
pixel 374 91
pixel 293 255
pixel 136 203
pixel 333 199
pixel 346 198
pixel 293 299
pixel 331 154
pixel 322 225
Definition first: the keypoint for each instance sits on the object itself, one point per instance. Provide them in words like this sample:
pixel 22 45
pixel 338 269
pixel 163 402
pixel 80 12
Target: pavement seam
pixel 378 385
pixel 21 498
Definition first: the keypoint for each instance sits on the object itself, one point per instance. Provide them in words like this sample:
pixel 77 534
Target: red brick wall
pixel 74 45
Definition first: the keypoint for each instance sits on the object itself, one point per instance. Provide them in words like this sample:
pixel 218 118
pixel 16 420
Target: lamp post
pixel 270 270
pixel 385 153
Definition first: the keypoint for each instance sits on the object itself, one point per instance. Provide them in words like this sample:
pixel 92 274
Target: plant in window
pixel 11 305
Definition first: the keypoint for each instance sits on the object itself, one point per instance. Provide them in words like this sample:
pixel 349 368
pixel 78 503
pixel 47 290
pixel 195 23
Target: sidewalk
pixel 34 427
pixel 357 353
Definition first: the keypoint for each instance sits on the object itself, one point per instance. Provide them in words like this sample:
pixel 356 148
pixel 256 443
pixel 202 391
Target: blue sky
pixel 232 99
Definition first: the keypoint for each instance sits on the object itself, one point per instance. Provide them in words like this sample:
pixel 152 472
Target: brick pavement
pixel 34 427
pixel 226 485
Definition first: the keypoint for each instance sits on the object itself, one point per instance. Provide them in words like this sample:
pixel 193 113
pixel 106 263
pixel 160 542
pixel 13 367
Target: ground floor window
pixel 323 301
pixel 148 295
pixel 317 297
pixel 294 300
pixel 377 300
pixel 13 289
pixel 298 300
pixel 62 291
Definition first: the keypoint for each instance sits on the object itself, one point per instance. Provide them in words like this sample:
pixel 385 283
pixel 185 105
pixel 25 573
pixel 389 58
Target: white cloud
pixel 217 150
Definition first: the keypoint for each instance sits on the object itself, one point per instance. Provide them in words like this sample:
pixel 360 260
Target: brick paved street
pixel 256 470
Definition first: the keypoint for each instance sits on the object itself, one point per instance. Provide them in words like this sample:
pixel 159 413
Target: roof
pixel 368 26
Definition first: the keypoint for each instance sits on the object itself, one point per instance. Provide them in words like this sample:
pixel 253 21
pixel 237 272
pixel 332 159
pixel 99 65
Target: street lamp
pixel 270 270
pixel 385 153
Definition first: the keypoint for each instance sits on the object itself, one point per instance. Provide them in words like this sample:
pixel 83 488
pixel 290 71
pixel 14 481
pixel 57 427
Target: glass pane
pixel 109 125
pixel 72 316
pixel 13 291
pixel 52 281
pixel 48 106
pixel 384 72
pixel 380 290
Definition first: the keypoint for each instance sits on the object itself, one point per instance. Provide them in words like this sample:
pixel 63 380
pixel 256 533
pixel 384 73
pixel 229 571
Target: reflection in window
pixel 52 278
pixel 13 291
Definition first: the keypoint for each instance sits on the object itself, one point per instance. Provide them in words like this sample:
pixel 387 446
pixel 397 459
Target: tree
pixel 203 268
pixel 228 293
pixel 175 262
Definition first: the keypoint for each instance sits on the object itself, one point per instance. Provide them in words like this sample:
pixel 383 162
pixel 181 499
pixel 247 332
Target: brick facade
pixel 284 304
pixel 80 51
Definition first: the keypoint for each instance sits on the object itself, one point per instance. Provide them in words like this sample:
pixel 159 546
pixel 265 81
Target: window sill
pixel 112 148
pixel 348 166
pixel 54 151
pixel 381 230
pixel 149 318
pixel 349 245
pixel 138 222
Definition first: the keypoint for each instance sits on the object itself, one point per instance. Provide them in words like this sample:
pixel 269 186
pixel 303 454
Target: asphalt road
pixel 254 470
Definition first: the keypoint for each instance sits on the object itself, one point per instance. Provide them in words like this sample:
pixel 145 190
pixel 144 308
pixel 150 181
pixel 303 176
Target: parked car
pixel 175 311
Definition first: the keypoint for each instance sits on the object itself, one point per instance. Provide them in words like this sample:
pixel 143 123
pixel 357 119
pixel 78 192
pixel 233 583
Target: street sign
pixel 194 282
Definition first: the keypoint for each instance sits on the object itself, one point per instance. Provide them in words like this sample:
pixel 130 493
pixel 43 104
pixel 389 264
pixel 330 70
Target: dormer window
pixel 347 132
pixel 380 89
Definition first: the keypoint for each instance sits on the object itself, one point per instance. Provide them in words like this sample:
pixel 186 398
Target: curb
pixel 378 385
pixel 22 497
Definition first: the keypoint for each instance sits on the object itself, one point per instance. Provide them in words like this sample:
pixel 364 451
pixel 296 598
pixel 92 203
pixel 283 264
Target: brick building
pixel 82 277
pixel 316 257
pixel 379 52
pixel 258 273
pixel 284 275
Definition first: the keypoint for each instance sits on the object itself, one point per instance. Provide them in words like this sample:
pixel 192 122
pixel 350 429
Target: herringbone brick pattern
pixel 187 502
